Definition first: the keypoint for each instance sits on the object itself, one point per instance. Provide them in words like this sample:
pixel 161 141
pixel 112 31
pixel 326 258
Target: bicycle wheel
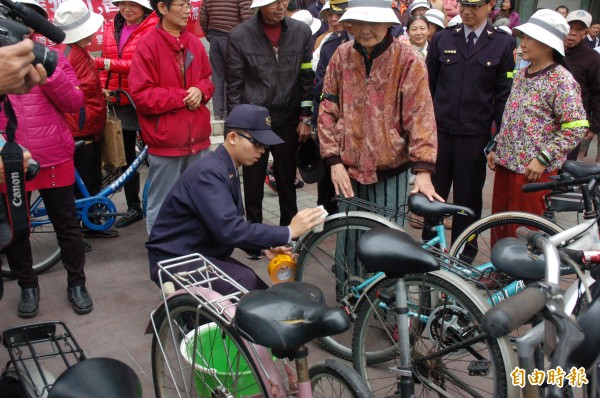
pixel 44 245
pixel 475 244
pixel 441 315
pixel 222 365
pixel 331 379
pixel 328 261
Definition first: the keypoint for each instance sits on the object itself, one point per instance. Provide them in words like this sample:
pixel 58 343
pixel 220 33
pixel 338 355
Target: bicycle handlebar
pixel 514 312
pixel 557 185
pixel 118 91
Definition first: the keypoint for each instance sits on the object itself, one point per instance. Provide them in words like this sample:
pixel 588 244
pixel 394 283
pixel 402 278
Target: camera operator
pixel 17 74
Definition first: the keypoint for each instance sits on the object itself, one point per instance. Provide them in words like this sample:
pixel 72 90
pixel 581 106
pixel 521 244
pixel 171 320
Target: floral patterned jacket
pixel 542 112
pixel 377 121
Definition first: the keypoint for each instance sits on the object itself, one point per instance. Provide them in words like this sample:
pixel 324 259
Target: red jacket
pixel 121 63
pixel 91 117
pixel 159 86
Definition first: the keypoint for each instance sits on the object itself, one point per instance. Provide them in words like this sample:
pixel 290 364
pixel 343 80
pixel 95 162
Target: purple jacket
pixel 42 128
pixel 513 17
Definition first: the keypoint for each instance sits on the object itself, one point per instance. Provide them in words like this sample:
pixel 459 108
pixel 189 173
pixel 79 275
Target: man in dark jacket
pixel 203 213
pixel 470 76
pixel 269 64
pixel 585 68
pixel 217 19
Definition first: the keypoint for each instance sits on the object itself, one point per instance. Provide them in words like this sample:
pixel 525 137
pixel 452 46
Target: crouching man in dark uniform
pixel 203 213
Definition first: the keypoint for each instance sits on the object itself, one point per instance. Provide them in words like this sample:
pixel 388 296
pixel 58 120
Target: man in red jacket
pixel 171 86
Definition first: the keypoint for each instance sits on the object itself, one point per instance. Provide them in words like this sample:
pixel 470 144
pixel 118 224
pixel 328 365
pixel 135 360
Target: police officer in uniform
pixel 470 75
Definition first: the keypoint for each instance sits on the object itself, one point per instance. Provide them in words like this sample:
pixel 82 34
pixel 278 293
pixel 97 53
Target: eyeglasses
pixel 256 143
pixel 186 5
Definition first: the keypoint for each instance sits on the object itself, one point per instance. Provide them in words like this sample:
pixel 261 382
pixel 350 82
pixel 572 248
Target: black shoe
pixel 86 247
pixel 254 256
pixel 80 299
pixel 29 302
pixel 134 214
pixel 92 234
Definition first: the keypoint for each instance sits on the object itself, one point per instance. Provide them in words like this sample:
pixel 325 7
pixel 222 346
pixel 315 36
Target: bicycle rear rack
pixel 40 351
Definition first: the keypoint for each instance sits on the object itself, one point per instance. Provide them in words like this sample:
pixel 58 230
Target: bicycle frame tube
pixel 127 175
pixel 37 210
pixel 80 185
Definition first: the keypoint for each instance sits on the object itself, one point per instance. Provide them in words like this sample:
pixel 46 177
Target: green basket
pixel 214 351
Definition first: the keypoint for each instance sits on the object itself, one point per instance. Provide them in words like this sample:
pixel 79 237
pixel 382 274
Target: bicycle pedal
pixel 480 367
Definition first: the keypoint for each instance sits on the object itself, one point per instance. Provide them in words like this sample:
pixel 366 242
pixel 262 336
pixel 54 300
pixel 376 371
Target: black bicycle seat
pixel 580 169
pixel 511 256
pixel 394 252
pixel 419 204
pixel 287 316
pixel 97 378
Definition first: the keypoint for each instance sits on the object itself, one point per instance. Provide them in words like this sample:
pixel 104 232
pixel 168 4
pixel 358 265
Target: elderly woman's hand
pixel 534 170
pixel 423 184
pixel 341 181
pixel 490 160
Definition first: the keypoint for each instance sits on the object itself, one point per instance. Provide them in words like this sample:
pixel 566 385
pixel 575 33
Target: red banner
pixel 108 11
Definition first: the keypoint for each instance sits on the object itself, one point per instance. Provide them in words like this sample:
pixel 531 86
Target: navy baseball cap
pixel 255 120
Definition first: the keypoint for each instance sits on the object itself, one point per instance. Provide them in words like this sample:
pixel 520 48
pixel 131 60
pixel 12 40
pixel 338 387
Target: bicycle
pixel 95 212
pixel 46 361
pixel 207 344
pixel 441 315
pixel 321 262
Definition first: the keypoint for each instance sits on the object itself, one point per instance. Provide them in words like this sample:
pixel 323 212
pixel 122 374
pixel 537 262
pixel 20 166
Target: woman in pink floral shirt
pixel 543 119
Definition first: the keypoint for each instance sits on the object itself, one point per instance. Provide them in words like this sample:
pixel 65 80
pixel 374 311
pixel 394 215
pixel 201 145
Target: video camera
pixel 13 31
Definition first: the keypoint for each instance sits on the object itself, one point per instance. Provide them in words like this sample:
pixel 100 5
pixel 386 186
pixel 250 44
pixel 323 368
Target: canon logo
pixel 16 187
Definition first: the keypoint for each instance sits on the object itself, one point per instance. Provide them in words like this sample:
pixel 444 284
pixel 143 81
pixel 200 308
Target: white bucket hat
pixel 307 18
pixel 323 12
pixel 547 27
pixel 38 7
pixel 143 3
pixel 435 17
pixel 379 11
pixel 76 20
pixel 418 4
pixel 261 3
pixel 456 20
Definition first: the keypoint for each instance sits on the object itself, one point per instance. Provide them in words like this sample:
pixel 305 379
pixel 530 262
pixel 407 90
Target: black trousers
pixel 284 171
pixel 60 205
pixel 460 162
pixel 88 162
pixel 132 187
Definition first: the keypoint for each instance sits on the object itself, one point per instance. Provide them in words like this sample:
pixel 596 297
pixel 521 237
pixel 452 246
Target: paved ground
pixel 118 281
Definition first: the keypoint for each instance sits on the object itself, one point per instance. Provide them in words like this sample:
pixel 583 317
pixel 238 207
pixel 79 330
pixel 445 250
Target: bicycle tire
pixel 316 259
pixel 333 379
pixel 182 309
pixel 478 238
pixel 44 246
pixel 452 314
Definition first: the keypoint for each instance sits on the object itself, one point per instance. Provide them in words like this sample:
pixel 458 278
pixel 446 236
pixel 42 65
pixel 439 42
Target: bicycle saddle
pixel 511 256
pixel 580 169
pixel 393 252
pixel 97 378
pixel 287 316
pixel 419 204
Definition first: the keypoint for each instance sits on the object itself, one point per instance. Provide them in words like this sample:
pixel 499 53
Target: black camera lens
pixel 43 55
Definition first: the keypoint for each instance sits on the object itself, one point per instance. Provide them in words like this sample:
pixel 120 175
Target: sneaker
pixel 86 247
pixel 80 299
pixel 270 181
pixel 92 234
pixel 134 214
pixel 29 302
pixel 253 256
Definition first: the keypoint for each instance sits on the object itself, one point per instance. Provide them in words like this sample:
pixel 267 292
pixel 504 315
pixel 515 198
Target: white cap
pixel 435 17
pixel 580 15
pixel 418 4
pixel 379 11
pixel 261 3
pixel 506 29
pixel 547 27
pixel 456 20
pixel 76 20
pixel 38 7
pixel 143 3
pixel 307 18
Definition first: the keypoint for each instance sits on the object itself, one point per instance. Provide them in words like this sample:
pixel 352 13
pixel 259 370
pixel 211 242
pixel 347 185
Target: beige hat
pixel 143 3
pixel 580 15
pixel 307 18
pixel 38 7
pixel 261 3
pixel 547 27
pixel 378 11
pixel 418 4
pixel 76 20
